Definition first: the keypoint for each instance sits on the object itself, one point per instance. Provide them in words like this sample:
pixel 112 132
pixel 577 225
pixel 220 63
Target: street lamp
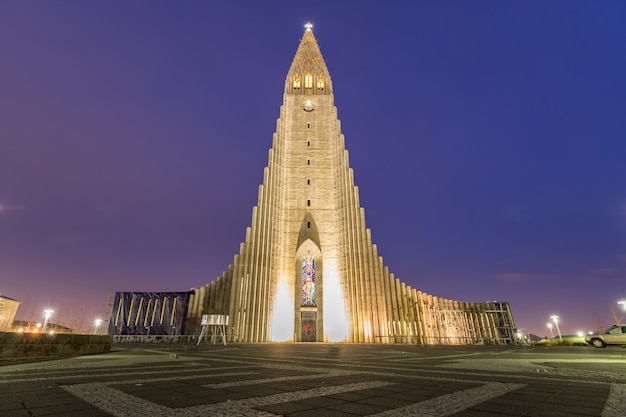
pixel 97 323
pixel 551 332
pixel 46 315
pixel 555 319
pixel 622 303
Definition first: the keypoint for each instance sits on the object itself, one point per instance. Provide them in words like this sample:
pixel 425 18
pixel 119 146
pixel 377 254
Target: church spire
pixel 308 74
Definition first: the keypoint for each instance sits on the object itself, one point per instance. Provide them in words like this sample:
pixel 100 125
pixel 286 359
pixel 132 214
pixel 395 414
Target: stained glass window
pixel 308 80
pixel 308 280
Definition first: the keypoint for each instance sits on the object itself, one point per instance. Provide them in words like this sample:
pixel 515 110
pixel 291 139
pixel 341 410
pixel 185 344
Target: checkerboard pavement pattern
pixel 318 380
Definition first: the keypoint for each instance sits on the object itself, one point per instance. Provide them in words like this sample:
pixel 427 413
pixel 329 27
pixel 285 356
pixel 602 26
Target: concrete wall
pixel 28 345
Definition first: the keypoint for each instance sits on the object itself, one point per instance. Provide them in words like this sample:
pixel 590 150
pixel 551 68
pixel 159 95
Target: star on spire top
pixel 308 26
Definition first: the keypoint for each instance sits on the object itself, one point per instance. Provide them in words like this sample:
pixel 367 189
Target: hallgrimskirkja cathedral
pixel 308 270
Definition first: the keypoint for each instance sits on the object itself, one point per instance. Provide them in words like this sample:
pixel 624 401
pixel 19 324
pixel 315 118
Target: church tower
pixel 302 226
pixel 308 271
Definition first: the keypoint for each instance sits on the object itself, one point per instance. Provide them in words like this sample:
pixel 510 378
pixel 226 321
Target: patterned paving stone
pixel 343 380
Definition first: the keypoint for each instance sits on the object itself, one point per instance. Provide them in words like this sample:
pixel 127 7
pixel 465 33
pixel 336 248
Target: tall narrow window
pixel 308 162
pixel 308 280
pixel 308 125
pixel 308 181
pixel 308 143
pixel 308 81
pixel 296 82
pixel 308 225
pixel 308 202
pixel 320 83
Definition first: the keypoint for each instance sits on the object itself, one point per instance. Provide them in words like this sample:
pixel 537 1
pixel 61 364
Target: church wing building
pixel 308 270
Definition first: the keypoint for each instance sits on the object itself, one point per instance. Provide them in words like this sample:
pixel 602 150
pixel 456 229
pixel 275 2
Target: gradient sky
pixel 488 141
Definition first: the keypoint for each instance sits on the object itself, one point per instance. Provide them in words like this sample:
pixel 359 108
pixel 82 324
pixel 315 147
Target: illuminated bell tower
pixel 287 280
pixel 309 219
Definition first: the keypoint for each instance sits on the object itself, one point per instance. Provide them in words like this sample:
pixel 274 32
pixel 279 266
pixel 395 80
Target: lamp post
pixel 551 332
pixel 46 315
pixel 96 324
pixel 555 319
pixel 623 304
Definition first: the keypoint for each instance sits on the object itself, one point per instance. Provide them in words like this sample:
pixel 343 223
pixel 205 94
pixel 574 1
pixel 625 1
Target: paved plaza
pixel 159 380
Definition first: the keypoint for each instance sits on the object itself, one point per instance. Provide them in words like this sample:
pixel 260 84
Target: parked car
pixel 614 335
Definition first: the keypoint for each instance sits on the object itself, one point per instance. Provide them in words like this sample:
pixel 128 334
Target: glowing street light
pixel 622 303
pixel 46 315
pixel 551 332
pixel 97 323
pixel 555 319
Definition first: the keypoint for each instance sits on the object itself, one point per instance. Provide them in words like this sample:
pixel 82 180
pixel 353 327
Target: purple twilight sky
pixel 488 141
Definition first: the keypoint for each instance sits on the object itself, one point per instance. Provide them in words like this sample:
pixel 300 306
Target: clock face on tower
pixel 308 106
